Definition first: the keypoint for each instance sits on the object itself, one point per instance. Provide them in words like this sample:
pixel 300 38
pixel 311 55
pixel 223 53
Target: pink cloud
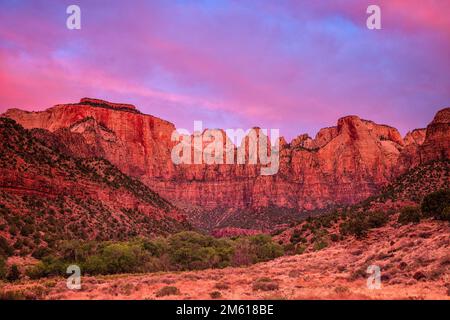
pixel 293 65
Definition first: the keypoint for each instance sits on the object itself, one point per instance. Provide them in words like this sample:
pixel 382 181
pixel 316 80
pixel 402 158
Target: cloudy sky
pixel 292 65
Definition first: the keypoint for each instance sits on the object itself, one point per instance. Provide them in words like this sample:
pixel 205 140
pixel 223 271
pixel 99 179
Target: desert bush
pixel 48 266
pixel 167 291
pixel 356 225
pixel 435 204
pixel 377 219
pixel 445 215
pixel 296 236
pixel 300 249
pixel 334 237
pixel 320 244
pixel 222 286
pixel 122 258
pixel 3 269
pixel 13 273
pixel 40 252
pixel 341 290
pixel 190 251
pixel 12 295
pixel 295 273
pixel 215 295
pixel 264 248
pixel 5 248
pixel 289 248
pixel 265 284
pixel 155 247
pixel 409 215
pixel 359 224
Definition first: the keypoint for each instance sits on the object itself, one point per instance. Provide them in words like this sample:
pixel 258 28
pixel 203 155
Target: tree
pixel 434 204
pixel 409 215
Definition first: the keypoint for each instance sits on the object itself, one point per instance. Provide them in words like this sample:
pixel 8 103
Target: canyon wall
pixel 342 164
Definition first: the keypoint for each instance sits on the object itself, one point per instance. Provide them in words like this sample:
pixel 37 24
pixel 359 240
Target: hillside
pixel 48 195
pixel 408 190
pixel 413 259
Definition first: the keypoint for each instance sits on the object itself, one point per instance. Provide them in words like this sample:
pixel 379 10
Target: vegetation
pixel 13 274
pixel 3 269
pixel 265 284
pixel 436 205
pixel 167 291
pixel 215 295
pixel 409 215
pixel 359 224
pixel 182 251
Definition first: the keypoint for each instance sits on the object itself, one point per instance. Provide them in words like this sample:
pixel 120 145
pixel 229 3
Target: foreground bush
pixel 167 291
pixel 2 268
pixel 13 274
pixel 191 251
pixel 435 204
pixel 409 215
pixel 265 284
pixel 358 224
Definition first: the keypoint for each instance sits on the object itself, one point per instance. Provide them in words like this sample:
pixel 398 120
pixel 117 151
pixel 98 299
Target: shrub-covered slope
pixel 48 195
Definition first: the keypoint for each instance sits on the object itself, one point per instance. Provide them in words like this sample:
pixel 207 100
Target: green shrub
pixel 296 236
pixel 409 215
pixel 320 244
pixel 48 266
pixel 5 248
pixel 359 224
pixel 265 284
pixel 222 286
pixel 122 258
pixel 289 248
pixel 167 291
pixel 40 252
pixel 155 247
pixel 191 251
pixel 377 219
pixel 445 215
pixel 334 237
pixel 3 269
pixel 300 249
pixel 215 295
pixel 264 248
pixel 13 274
pixel 12 295
pixel 435 203
pixel 356 225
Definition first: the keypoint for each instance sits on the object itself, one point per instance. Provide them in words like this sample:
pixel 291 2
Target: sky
pixel 296 66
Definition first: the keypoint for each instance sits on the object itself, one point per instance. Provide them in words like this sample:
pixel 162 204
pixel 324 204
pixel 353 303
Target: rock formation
pixel 342 164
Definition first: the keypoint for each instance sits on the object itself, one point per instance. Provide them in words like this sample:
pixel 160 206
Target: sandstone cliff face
pixel 437 140
pixel 139 144
pixel 342 164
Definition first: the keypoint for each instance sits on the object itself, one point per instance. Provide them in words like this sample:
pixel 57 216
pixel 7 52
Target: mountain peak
pixel 92 102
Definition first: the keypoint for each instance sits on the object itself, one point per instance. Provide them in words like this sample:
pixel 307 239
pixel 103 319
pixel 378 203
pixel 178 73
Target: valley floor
pixel 414 262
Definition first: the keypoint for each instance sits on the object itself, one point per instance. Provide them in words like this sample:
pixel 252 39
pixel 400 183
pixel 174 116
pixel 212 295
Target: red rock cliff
pixel 343 164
